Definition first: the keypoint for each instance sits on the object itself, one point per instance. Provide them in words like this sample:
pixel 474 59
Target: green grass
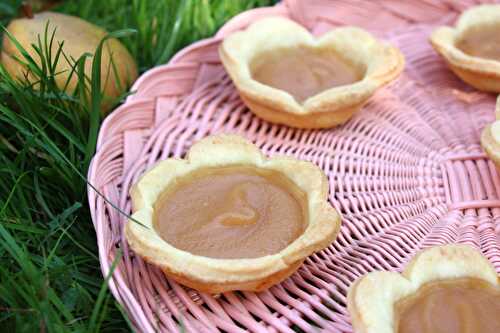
pixel 50 279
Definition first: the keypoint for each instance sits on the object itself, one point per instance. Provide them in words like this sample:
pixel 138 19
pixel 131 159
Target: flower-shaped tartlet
pixel 450 288
pixel 472 48
pixel 490 138
pixel 227 218
pixel 287 76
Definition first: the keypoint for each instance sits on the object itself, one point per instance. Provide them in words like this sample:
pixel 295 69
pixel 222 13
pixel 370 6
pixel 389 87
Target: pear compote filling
pixel 303 72
pixel 456 306
pixel 481 43
pixel 231 212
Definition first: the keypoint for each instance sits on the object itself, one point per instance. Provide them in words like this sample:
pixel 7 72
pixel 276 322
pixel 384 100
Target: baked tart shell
pixel 489 139
pixel 378 62
pixel 215 275
pixel 371 299
pixel 481 73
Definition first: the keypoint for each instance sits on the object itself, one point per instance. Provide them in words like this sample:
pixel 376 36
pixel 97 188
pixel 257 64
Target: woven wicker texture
pixel 407 172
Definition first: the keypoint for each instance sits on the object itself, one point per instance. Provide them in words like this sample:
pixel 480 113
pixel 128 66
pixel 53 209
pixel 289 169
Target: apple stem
pixel 27 10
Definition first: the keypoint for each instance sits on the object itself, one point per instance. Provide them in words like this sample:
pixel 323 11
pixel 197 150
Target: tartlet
pixel 215 275
pixel 490 138
pixel 287 76
pixel 472 49
pixel 372 299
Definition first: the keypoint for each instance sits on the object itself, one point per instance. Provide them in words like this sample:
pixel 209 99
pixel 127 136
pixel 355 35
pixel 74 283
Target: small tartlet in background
pixel 490 138
pixel 471 49
pixel 274 41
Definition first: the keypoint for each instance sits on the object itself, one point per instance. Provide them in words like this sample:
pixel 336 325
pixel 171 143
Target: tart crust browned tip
pixel 481 72
pixel 372 298
pixel 272 42
pixel 215 275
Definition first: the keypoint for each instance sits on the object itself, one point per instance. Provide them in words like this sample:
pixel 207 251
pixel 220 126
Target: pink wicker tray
pixel 407 172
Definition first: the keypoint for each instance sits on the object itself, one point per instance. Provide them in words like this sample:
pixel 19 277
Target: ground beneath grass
pixel 50 279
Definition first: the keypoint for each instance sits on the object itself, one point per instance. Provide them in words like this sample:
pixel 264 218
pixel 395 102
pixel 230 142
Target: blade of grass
pixel 169 48
pixel 96 94
pixel 93 323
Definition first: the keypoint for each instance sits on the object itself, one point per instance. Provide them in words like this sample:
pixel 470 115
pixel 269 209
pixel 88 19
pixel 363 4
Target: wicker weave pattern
pixel 407 172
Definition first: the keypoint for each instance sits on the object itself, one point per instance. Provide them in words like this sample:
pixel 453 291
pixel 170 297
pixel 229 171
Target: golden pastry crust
pixel 371 298
pixel 490 138
pixel 380 63
pixel 483 74
pixel 219 275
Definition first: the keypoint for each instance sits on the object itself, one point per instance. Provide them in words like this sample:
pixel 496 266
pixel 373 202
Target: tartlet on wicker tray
pixel 490 138
pixel 379 301
pixel 406 172
pixel 472 48
pixel 287 76
pixel 216 275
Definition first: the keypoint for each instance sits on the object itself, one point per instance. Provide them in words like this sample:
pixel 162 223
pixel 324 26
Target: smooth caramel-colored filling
pixel 232 212
pixel 482 43
pixel 303 72
pixel 455 306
